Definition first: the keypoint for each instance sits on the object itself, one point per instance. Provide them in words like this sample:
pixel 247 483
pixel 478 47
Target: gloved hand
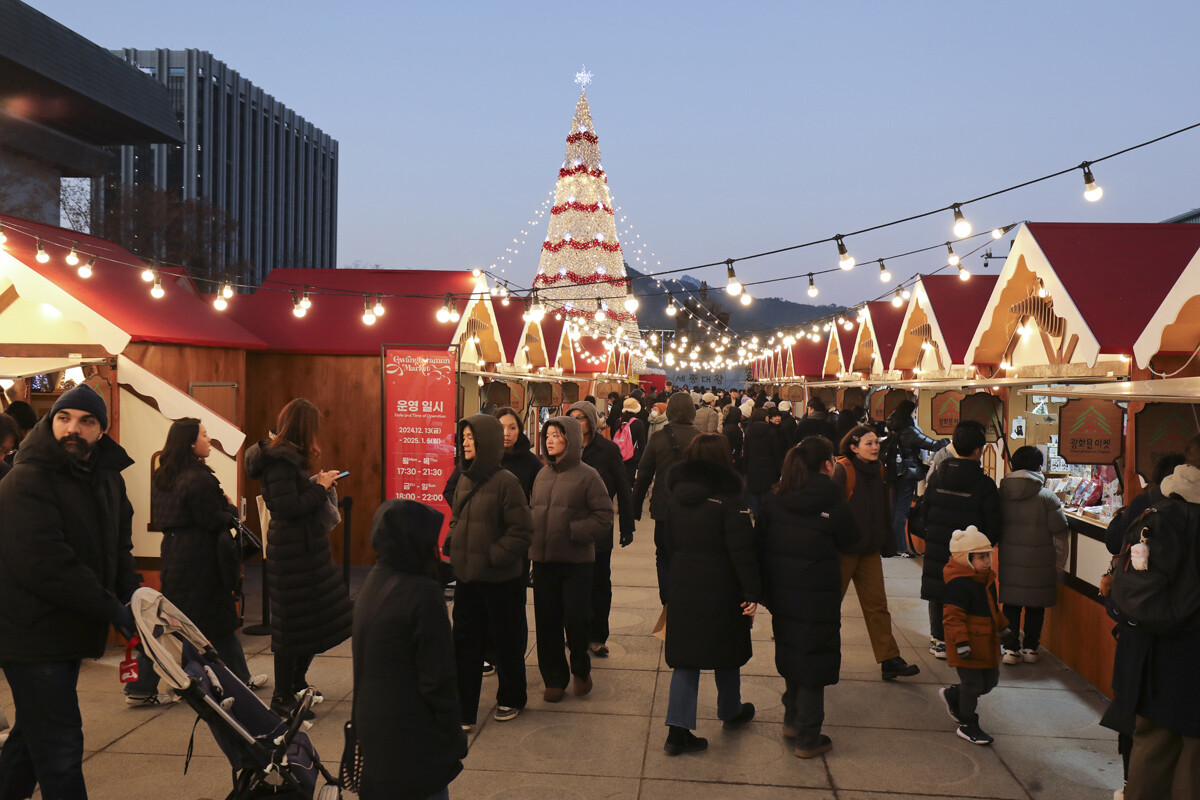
pixel 124 622
pixel 964 650
pixel 626 538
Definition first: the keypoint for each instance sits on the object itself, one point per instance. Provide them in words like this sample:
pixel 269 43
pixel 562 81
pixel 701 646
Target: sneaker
pixel 505 713
pixel 973 733
pixel 257 682
pixel 681 740
pixel 949 696
pixel 897 667
pixel 599 649
pixel 823 746
pixel 1029 655
pixel 1010 656
pixel 743 716
pixel 582 686
pixel 938 648
pixel 489 669
pixel 151 699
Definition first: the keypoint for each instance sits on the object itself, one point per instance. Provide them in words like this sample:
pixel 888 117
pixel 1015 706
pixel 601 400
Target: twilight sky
pixel 726 128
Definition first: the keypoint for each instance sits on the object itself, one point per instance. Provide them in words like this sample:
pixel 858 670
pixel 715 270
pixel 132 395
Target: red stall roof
pixel 958 306
pixel 509 318
pixel 117 292
pixel 595 348
pixel 846 340
pixel 1117 274
pixel 808 358
pixel 333 325
pixel 886 320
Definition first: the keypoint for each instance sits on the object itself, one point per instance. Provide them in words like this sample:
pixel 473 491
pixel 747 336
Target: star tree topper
pixel 583 77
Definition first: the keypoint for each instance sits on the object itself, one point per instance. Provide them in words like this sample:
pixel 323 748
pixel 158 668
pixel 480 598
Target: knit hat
pixel 631 404
pixel 83 398
pixel 23 413
pixel 708 397
pixel 971 540
pixel 785 405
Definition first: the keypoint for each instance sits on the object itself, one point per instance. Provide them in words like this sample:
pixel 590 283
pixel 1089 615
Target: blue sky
pixel 726 129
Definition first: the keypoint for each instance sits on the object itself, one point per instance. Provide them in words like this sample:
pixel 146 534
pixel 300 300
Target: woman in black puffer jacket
pixel 805 523
pixel 310 606
pixel 188 506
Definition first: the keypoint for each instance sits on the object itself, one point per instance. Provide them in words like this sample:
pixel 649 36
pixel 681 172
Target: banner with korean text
pixel 420 388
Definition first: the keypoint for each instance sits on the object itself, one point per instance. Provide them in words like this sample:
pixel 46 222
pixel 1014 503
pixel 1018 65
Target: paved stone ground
pixel 891 740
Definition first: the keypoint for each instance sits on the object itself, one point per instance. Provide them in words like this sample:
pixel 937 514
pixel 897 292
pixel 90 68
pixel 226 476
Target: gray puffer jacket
pixel 708 419
pixel 490 527
pixel 571 507
pixel 1032 515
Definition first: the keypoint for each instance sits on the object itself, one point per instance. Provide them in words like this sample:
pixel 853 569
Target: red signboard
pixel 1090 431
pixel 945 412
pixel 1162 429
pixel 419 416
pixel 986 409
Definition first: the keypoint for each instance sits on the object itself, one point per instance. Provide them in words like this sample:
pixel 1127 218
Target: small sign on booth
pixel 1163 429
pixel 1090 431
pixel 986 409
pixel 945 412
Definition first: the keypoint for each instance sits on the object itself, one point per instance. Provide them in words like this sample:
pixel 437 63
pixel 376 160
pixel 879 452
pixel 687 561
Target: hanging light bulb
pixel 733 286
pixel 504 300
pixel 454 315
pixel 227 290
pixel 997 233
pixel 42 256
pixel 963 275
pixel 368 316
pixel 85 271
pixel 148 274
pixel 378 309
pixel 305 302
pixel 220 303
pixel 298 309
pixel 537 311
pixel 962 228
pixel 813 291
pixel 897 300
pixel 905 293
pixel 157 290
pixel 746 299
pixel 1091 191
pixel 476 272
pixel 845 260
pixel 443 313
pixel 671 310
pixel 952 258
pixel 599 316
pixel 73 256
pixel 631 302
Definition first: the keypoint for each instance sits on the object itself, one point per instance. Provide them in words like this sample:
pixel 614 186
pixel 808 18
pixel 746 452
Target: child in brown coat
pixel 974 626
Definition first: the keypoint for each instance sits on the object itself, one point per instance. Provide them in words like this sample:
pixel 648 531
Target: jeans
pixel 562 600
pixel 490 613
pixel 804 710
pixel 662 562
pixel 866 571
pixel 45 745
pixel 1034 618
pixel 685 686
pixel 601 596
pixel 902 495
pixel 937 624
pixel 973 684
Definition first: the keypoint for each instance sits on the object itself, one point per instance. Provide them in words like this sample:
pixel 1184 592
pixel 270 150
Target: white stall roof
pixel 1167 390
pixel 28 367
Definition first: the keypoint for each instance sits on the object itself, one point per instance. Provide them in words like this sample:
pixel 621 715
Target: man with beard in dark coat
pixel 605 457
pixel 66 573
pixel 957 495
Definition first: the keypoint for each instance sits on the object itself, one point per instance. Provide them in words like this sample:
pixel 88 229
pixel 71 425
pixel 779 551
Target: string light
pixel 148 274
pixel 454 315
pixel 671 310
pixel 443 313
pixel 884 275
pixel 378 309
pixel 813 291
pixel 599 316
pixel 897 300
pixel 220 303
pixel 73 256
pixel 298 309
pixel 42 256
pixel 1091 190
pixel 951 258
pixel 631 302
pixel 537 311
pixel 157 291
pixel 368 317
pixel 962 228
pixel 746 299
pixel 85 271
pixel 227 290
pixel 304 301
pixel 733 286
pixel 963 275
pixel 845 260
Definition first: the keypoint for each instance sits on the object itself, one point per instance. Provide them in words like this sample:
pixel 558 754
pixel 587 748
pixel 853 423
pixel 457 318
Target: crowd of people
pixel 752 506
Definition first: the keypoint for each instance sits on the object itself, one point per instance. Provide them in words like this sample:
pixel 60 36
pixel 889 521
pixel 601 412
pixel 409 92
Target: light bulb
pixel 85 271
pixel 227 291
pixel 220 303
pixel 746 299
pixel 443 315
pixel 378 309
pixel 897 300
pixel 952 257
pixel 671 310
pixel 845 260
pixel 454 315
pixel 997 233
pixel 813 291
pixel 298 309
pixel 1091 191
pixel 631 302
pixel 42 256
pixel 147 275
pixel 476 272
pixel 73 256
pixel 962 228
pixel 733 286
pixel 963 275
pixel 368 316
pixel 504 299
pixel 905 293
pixel 1005 365
pixel 599 316
pixel 305 303
pixel 157 290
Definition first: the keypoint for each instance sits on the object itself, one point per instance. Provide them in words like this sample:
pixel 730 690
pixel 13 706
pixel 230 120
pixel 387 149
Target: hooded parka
pixel 605 457
pixel 490 523
pixel 571 507
pixel 310 606
pixel 663 450
pixel 66 549
pixel 192 514
pixel 714 568
pixel 971 615
pixel 801 534
pixel 1032 516
pixel 406 709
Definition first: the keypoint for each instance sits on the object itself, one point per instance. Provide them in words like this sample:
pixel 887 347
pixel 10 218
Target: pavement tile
pixel 765 692
pixel 695 790
pixel 580 744
pixel 755 754
pixel 614 691
pixel 130 777
pixel 1057 769
pixel 508 785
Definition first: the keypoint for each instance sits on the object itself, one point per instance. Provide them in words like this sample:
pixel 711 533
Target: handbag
pixel 660 626
pixel 351 769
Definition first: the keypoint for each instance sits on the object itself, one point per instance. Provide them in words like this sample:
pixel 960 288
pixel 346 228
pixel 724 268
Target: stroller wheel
pixel 329 792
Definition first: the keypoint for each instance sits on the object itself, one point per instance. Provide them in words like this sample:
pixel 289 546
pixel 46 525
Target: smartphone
pixel 341 475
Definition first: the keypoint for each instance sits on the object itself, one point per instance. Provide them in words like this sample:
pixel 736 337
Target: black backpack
pixel 1165 597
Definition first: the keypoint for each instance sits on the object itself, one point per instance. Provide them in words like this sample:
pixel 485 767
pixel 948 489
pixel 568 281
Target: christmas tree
pixel 581 268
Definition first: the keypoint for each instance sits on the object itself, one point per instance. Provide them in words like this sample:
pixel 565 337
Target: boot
pixel 681 740
pixel 743 716
pixel 897 667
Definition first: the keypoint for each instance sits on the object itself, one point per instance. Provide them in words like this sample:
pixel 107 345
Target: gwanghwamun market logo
pixel 1090 431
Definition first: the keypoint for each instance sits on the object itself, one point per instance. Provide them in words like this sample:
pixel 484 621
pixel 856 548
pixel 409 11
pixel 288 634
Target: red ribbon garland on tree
pixel 582 169
pixel 582 136
pixel 594 207
pixel 578 245
pixel 574 277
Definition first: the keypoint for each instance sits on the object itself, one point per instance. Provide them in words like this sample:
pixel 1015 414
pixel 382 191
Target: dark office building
pixel 246 153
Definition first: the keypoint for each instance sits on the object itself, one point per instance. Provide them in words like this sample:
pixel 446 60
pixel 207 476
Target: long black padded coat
pixel 191 514
pixel 959 493
pixel 801 534
pixel 310 606
pixel 714 568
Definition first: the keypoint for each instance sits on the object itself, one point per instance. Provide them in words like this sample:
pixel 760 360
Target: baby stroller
pixel 271 756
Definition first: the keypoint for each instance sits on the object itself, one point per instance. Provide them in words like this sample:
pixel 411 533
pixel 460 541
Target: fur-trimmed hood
pixel 1185 482
pixel 693 481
